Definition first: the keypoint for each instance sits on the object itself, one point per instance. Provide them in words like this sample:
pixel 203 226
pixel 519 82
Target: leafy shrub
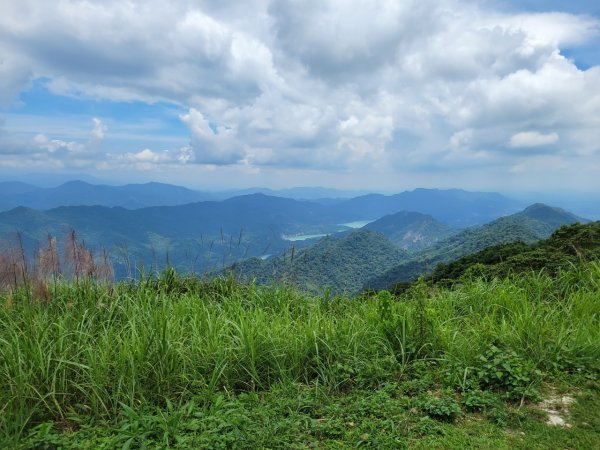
pixel 443 408
pixel 499 415
pixel 474 272
pixel 504 370
pixel 478 400
pixel 416 386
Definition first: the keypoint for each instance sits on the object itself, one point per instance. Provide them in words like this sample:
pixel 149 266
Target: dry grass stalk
pixel 48 260
pixel 104 269
pixel 78 258
pixel 79 263
pixel 13 265
pixel 41 290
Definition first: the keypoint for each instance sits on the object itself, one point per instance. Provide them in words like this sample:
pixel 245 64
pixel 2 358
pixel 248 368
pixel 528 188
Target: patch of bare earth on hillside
pixel 556 406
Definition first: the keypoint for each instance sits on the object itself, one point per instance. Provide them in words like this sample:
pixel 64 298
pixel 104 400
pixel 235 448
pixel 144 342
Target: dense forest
pixel 337 264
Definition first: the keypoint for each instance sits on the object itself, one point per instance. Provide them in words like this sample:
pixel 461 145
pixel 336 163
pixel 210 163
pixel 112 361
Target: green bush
pixel 478 400
pixel 442 408
pixel 504 370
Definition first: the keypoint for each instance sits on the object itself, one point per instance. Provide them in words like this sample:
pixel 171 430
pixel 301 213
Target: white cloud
pixel 72 147
pixel 532 139
pixel 556 29
pixel 15 75
pixel 99 130
pixel 43 150
pixel 57 145
pixel 216 144
pixel 347 85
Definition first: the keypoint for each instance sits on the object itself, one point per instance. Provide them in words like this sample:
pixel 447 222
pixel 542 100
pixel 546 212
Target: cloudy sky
pixel 368 94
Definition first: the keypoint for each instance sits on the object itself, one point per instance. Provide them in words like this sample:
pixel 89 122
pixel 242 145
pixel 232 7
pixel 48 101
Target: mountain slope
pixel 570 244
pixel 535 222
pixel 411 230
pixel 342 264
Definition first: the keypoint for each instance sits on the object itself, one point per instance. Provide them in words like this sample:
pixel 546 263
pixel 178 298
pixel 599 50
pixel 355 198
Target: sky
pixel 355 94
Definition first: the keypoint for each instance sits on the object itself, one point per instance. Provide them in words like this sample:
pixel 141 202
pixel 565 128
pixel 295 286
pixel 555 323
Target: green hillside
pixel 342 264
pixel 535 222
pixel 569 245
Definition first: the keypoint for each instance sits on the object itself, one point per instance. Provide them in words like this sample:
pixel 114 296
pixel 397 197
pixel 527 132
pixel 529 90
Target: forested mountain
pixel 535 222
pixel 197 236
pixel 208 235
pixel 342 264
pixel 570 244
pixel 411 230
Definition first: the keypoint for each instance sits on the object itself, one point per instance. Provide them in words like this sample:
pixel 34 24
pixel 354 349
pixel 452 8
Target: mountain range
pixel 456 207
pixel 534 223
pixel 194 236
pixel 346 263
pixel 203 236
pixel 80 193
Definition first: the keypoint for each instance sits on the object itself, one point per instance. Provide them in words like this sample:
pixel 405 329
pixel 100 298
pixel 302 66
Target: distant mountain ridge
pixel 455 207
pixel 80 193
pixel 195 236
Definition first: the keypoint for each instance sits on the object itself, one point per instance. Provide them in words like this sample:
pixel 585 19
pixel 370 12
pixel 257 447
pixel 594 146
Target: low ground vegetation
pixel 181 362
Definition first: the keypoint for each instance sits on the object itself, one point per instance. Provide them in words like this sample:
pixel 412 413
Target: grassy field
pixel 175 362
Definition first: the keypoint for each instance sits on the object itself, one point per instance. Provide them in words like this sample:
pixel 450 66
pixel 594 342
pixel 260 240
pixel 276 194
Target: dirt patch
pixel 557 408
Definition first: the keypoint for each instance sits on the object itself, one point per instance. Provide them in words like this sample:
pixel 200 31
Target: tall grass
pixel 95 350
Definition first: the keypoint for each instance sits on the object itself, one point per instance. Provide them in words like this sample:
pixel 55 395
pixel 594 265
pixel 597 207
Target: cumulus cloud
pixel 42 150
pixel 57 145
pixel 532 139
pixel 212 143
pixel 349 85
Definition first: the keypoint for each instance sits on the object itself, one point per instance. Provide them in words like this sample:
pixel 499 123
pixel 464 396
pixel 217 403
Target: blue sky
pixel 380 95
